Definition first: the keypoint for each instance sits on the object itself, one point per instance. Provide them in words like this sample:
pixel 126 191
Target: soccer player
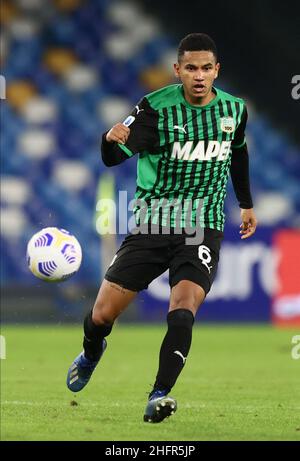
pixel 189 137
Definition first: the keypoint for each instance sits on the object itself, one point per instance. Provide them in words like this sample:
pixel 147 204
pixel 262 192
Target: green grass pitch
pixel 239 383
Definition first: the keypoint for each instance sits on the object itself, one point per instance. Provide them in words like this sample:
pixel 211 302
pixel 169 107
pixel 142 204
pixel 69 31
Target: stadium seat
pixel 36 143
pixel 14 190
pixel 71 175
pixel 39 110
pixel 113 109
pixel 13 223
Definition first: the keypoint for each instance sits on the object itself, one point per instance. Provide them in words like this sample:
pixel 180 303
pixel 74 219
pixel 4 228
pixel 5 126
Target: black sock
pixel 174 348
pixel 93 337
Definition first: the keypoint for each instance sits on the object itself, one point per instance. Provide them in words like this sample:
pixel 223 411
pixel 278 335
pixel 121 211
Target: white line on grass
pixel 20 402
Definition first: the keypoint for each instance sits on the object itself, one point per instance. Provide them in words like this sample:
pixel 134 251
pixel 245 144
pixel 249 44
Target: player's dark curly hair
pixel 197 42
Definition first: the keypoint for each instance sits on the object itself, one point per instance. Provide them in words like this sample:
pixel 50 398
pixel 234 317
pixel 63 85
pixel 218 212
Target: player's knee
pixel 186 295
pixel 187 301
pixel 190 300
pixel 102 317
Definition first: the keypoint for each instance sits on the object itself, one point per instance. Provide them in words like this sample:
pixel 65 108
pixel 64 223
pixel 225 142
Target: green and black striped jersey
pixel 184 156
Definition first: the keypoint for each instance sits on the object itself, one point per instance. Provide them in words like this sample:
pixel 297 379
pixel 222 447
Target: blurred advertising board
pixel 242 290
pixel 286 298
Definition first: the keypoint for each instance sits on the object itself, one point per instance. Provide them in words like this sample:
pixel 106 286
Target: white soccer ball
pixel 53 254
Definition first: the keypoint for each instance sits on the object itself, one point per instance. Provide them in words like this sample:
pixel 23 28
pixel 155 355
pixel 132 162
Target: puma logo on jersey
pixel 188 151
pixel 138 110
pixel 180 355
pixel 180 128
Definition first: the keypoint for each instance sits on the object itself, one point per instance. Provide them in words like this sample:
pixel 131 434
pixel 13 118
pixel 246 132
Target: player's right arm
pixel 122 142
pixel 112 154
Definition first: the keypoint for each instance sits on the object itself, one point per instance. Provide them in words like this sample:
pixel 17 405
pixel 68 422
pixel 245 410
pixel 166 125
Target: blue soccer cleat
pixel 159 407
pixel 81 371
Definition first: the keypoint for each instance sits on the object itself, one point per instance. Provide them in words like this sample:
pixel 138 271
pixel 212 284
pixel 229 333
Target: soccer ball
pixel 53 254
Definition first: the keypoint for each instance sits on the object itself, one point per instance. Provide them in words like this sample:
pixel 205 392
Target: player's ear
pixel 217 69
pixel 176 69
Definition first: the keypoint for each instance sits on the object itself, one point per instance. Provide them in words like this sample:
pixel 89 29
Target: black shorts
pixel 142 258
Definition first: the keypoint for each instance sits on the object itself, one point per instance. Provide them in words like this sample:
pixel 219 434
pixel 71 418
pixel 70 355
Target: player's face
pixel 197 70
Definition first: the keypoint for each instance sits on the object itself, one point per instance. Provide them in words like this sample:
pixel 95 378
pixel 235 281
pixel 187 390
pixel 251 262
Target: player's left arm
pixel 239 171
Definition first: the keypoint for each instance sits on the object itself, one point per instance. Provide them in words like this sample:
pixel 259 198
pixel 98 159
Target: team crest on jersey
pixel 227 124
